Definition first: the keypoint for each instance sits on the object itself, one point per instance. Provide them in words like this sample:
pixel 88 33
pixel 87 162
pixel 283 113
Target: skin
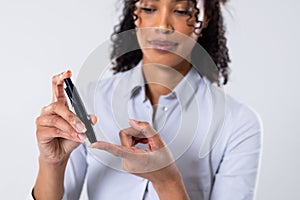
pixel 59 131
pixel 165 20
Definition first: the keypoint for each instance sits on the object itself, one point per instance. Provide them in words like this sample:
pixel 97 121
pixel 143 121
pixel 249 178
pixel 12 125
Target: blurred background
pixel 41 38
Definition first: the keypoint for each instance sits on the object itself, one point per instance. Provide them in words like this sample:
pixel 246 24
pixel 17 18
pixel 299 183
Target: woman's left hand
pixel 154 163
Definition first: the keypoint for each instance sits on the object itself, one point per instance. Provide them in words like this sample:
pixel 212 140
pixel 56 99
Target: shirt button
pixel 165 109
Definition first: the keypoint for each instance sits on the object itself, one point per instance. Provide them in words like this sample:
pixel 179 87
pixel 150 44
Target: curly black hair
pixel 212 39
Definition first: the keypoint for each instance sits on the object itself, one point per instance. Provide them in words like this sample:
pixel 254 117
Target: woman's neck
pixel 161 80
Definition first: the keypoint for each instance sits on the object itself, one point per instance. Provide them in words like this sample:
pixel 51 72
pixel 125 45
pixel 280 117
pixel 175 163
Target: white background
pixel 41 38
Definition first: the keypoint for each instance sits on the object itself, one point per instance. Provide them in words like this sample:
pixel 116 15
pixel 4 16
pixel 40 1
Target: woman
pixel 167 99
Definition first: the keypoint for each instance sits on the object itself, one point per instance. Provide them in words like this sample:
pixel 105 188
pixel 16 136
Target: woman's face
pixel 165 30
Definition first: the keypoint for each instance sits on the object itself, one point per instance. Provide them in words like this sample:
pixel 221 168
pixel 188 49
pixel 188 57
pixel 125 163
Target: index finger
pixel 155 142
pixel 143 127
pixel 116 150
pixel 58 86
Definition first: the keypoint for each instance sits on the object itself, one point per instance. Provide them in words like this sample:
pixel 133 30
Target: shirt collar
pixel 184 90
pixel 187 87
pixel 136 81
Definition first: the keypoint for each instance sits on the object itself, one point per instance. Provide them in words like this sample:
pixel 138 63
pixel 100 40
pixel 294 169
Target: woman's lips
pixel 162 45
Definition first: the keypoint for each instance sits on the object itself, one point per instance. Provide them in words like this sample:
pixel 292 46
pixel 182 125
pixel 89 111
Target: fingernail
pixel 82 137
pixel 80 127
pixel 92 146
pixel 67 71
pixel 134 121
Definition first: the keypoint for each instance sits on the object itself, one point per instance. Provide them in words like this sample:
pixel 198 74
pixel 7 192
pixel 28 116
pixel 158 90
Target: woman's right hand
pixel 58 130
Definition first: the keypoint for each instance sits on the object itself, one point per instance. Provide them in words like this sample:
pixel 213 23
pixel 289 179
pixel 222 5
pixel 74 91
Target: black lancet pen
pixel 80 109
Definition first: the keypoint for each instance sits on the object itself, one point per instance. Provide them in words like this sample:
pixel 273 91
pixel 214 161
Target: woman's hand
pixel 154 163
pixel 58 130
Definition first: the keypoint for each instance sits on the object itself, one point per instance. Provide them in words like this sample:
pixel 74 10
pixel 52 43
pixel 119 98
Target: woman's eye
pixel 147 10
pixel 182 12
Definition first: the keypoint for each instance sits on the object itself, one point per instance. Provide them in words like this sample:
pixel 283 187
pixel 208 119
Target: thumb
pixel 58 93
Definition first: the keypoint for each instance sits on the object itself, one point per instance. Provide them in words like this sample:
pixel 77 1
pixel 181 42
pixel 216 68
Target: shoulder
pixel 241 125
pixel 237 114
pixel 243 114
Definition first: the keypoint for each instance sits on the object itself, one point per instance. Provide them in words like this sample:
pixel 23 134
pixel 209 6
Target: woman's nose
pixel 164 23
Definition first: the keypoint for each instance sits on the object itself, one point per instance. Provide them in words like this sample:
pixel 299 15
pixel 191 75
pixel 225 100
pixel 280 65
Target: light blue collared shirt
pixel 215 140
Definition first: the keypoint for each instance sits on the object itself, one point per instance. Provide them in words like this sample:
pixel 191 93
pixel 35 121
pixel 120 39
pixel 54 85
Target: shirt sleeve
pixel 75 173
pixel 236 176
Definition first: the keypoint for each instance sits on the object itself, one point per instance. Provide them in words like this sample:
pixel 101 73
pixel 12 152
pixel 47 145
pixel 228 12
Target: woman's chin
pixel 161 57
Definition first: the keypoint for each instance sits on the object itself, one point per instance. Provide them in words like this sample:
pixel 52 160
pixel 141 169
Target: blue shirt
pixel 215 140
